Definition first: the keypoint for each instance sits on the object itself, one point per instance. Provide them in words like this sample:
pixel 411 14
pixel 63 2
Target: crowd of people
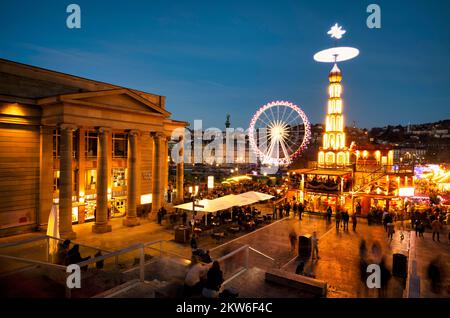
pixel 224 189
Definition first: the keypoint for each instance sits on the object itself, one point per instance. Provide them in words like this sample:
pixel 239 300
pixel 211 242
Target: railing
pixel 110 265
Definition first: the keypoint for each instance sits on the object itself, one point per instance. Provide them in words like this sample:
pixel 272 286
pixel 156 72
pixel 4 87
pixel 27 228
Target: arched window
pixel 341 158
pixel 329 160
pixel 332 123
pixel 332 141
pixel 321 158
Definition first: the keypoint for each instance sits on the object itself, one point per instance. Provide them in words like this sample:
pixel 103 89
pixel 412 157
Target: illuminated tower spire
pixel 334 151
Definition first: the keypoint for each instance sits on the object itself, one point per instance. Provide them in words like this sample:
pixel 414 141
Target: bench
pixel 303 283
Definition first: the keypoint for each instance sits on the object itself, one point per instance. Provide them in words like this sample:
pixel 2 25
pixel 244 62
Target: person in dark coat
pixel 301 209
pixel 214 278
pixel 63 250
pixel 280 207
pixel 354 221
pixel 329 213
pixel 295 208
pixel 74 256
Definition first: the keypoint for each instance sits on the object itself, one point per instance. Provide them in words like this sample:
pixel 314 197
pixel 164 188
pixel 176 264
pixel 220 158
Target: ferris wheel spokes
pixel 279 137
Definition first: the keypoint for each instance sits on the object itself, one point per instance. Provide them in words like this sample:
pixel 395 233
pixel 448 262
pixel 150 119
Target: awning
pixel 258 196
pixel 226 202
pixel 323 172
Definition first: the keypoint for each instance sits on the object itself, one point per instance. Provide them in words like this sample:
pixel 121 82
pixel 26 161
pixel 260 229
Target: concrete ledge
pixel 303 283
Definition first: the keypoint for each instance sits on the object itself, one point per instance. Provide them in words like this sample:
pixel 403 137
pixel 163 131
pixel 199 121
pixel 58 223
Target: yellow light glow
pixel 210 182
pixel 146 198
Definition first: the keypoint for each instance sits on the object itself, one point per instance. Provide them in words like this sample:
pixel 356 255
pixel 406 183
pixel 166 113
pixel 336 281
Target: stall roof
pixel 327 172
pixel 258 196
pixel 227 202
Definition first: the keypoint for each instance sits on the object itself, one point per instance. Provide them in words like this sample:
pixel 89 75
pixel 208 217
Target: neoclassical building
pixel 94 149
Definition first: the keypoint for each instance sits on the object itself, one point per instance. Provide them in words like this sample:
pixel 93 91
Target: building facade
pixel 93 149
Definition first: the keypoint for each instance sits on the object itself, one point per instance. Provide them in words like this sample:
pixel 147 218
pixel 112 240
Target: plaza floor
pixel 338 250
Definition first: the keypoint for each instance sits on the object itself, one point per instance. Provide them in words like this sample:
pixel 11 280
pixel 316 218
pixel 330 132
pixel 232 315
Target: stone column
pixel 180 171
pixel 158 166
pixel 132 219
pixel 101 220
pixel 66 185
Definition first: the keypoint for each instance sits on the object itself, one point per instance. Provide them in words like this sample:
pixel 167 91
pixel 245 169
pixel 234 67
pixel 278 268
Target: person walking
pixel 436 228
pixel 354 221
pixel 421 228
pixel 315 246
pixel 416 226
pixel 345 219
pixel 295 208
pixel 301 209
pixel 287 208
pixel 390 230
pixel 280 210
pixel 274 211
pixel 338 218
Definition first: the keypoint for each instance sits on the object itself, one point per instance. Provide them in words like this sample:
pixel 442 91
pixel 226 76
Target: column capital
pixel 65 126
pixel 133 132
pixel 104 130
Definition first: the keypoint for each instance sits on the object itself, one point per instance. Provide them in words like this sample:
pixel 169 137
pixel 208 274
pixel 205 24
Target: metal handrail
pixel 261 253
pixel 35 262
pixel 111 254
pixel 24 241
pixel 83 245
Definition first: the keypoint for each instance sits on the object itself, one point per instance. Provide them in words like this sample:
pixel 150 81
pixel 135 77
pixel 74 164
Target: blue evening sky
pixel 212 57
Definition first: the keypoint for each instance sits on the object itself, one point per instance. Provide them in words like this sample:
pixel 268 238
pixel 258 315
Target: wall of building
pixel 19 175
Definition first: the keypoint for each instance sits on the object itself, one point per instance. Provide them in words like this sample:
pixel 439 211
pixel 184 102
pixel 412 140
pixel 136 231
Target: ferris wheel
pixel 279 131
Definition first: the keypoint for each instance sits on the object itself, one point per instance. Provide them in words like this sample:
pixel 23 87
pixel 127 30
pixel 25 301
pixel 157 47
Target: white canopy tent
pixel 258 196
pixel 226 202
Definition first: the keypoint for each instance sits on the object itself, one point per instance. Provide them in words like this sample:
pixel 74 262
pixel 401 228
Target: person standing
pixel 416 226
pixel 436 228
pixel 301 209
pixel 315 246
pixel 338 218
pixel 345 219
pixel 160 216
pixel 295 208
pixel 287 208
pixel 280 207
pixel 354 221
pixel 358 208
pixel 390 230
pixel 329 213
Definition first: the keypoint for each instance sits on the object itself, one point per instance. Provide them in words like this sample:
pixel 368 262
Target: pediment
pixel 123 99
